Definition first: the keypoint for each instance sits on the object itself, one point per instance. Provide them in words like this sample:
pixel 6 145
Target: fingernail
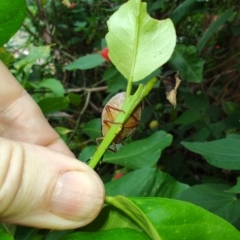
pixel 77 196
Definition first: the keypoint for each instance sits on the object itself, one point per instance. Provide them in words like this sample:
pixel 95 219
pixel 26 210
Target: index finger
pixel 21 118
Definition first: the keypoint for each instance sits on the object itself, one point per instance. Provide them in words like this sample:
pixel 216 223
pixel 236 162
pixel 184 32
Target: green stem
pixel 129 88
pixel 128 107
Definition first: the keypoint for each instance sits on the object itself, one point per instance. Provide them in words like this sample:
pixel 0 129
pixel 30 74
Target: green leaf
pixel 87 62
pixel 138 44
pixel 224 153
pixel 213 28
pixel 113 234
pixel 187 62
pixel 56 235
pixel 172 219
pixel 145 182
pixel 62 130
pixel 12 14
pixel 115 80
pixel 201 134
pixel 188 117
pixel 5 56
pixel 184 9
pixel 236 188
pixel 142 153
pixel 93 128
pixel 50 105
pixel 196 102
pixel 231 107
pixel 5 236
pixel 53 84
pixel 214 198
pixel 74 99
pixel 87 153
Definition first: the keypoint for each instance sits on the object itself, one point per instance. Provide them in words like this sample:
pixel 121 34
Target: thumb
pixel 46 189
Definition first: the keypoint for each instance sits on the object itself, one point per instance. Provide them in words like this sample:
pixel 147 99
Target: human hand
pixel 41 183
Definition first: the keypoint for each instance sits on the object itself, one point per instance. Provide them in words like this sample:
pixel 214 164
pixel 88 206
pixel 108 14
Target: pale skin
pixel 42 184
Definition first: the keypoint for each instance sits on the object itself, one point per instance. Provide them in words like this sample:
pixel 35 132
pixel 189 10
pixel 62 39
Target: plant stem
pixel 128 107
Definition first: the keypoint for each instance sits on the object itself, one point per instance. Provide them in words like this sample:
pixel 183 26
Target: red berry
pixel 217 47
pixel 104 54
pixel 73 5
pixel 118 175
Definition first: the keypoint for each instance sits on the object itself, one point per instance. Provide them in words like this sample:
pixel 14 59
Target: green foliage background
pixel 192 152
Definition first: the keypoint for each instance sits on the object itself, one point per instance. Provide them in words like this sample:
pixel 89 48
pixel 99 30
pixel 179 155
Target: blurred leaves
pixel 187 62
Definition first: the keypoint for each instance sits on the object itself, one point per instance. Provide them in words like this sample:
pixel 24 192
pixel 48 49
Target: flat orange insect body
pixel 110 111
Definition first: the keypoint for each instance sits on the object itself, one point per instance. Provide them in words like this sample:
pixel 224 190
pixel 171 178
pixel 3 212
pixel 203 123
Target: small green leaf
pixel 50 105
pixel 187 62
pixel 184 9
pixel 87 153
pixel 53 84
pixel 12 14
pixel 224 153
pixel 145 182
pixel 236 188
pixel 231 107
pixel 201 134
pixel 87 62
pixel 172 219
pixel 138 44
pixel 62 130
pixel 213 28
pixel 74 99
pixel 5 56
pixel 93 128
pixel 142 153
pixel 115 80
pixel 113 234
pixel 188 117
pixel 215 198
pixel 196 102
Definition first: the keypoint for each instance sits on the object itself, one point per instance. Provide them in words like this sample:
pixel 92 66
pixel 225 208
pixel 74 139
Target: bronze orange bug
pixel 109 113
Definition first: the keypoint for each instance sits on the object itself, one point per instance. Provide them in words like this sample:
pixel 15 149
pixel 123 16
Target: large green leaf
pixel 187 62
pixel 223 153
pixel 167 219
pixel 113 234
pixel 214 198
pixel 213 28
pixel 86 62
pixel 137 43
pixel 12 14
pixel 146 182
pixel 141 153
